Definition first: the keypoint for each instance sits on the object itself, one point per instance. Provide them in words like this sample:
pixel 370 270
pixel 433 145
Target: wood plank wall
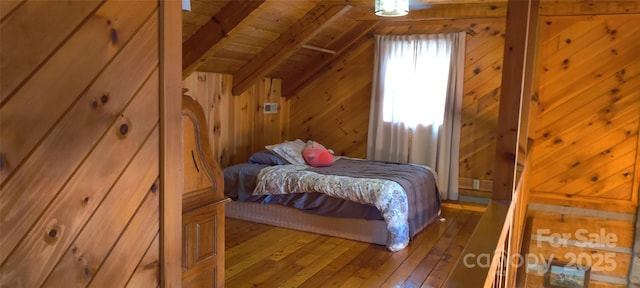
pixel 79 200
pixel 584 175
pixel 585 149
pixel 239 126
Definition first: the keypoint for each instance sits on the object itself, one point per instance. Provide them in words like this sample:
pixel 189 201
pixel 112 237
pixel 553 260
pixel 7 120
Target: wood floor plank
pixel 421 251
pixel 448 260
pixel 378 259
pixel 327 274
pixel 296 263
pixel 242 231
pixel 261 255
pixel 272 272
pixel 318 264
pixel 261 248
pixel 343 275
pixel 428 263
pixel 431 233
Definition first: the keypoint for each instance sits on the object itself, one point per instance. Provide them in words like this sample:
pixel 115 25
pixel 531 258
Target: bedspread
pixel 363 181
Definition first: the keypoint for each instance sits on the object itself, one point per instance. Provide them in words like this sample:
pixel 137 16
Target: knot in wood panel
pixel 95 104
pixel 620 75
pixel 124 129
pixel 86 271
pixel 114 36
pixel 612 33
pixel 53 233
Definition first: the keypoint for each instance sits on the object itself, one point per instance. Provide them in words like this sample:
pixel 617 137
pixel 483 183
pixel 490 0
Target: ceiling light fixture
pixel 391 8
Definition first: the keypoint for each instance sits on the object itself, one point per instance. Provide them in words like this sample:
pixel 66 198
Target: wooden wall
pixel 585 149
pixel 584 176
pixel 239 126
pixel 79 167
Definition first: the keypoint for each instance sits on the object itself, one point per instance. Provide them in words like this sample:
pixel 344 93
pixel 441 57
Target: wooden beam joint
pixel 303 31
pixel 198 46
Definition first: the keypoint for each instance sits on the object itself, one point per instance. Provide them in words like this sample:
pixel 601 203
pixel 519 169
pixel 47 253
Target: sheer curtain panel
pixel 416 103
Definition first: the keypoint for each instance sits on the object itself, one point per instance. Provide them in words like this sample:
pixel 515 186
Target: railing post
pixel 515 94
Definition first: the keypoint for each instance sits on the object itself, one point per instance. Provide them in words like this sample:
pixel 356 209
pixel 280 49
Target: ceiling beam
pixel 293 83
pixel 196 49
pixel 301 32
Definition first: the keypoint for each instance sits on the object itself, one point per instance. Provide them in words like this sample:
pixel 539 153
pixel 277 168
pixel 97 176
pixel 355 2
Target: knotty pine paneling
pixel 585 150
pixel 239 126
pixel 55 21
pixel 80 144
pixel 32 110
pixel 333 108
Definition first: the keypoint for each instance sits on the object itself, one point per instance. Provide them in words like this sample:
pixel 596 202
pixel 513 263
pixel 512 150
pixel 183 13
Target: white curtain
pixel 416 103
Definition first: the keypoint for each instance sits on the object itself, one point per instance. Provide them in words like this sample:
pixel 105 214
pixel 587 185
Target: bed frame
pixel 359 229
pixel 371 231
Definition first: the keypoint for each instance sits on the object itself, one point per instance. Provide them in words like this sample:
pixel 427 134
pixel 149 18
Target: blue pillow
pixel 266 158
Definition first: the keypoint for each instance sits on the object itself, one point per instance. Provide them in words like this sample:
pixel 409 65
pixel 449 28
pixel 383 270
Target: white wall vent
pixel 270 108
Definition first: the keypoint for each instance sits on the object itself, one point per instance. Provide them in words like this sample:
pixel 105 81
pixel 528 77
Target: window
pixel 416 100
pixel 416 78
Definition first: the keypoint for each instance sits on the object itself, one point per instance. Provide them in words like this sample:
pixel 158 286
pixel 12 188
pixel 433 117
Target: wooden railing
pixel 498 235
pixel 506 257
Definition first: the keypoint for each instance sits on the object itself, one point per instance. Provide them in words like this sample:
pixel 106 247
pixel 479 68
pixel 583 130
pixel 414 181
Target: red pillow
pixel 316 155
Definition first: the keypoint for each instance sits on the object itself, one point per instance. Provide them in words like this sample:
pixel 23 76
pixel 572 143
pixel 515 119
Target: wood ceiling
pixel 293 39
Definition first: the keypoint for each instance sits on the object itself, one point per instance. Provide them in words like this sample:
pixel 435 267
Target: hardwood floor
pixel 259 255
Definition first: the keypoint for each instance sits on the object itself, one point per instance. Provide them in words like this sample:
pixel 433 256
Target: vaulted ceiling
pixel 294 39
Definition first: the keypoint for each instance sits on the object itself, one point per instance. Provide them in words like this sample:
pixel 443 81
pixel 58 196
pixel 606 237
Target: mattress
pixel 240 181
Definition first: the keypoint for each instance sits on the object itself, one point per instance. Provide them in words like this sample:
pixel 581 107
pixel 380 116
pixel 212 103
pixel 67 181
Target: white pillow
pixel 290 151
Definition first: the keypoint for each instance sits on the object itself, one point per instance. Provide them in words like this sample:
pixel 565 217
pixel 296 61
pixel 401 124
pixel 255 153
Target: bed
pixel 372 201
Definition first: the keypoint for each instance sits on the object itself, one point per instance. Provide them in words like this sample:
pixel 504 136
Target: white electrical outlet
pixel 475 184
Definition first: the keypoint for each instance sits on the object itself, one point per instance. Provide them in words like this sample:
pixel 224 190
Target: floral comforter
pixel 381 184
